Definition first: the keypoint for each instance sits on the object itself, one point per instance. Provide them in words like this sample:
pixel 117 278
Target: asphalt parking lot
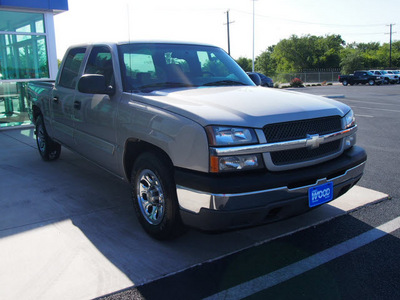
pixel 68 230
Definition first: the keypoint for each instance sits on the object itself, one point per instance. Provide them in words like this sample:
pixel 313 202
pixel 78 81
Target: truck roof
pixel 142 42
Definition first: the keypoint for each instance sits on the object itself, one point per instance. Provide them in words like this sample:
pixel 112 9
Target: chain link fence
pixel 310 76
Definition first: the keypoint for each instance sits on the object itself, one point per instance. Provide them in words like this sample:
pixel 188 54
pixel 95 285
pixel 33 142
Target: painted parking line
pixel 365 116
pixel 269 280
pixel 373 108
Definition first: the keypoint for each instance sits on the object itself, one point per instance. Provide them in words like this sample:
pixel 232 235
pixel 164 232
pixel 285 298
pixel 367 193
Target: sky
pixel 204 21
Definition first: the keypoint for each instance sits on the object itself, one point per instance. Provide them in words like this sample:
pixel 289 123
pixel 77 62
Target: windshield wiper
pixel 224 83
pixel 163 85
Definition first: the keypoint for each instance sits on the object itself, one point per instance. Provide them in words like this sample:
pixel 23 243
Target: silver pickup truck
pixel 199 142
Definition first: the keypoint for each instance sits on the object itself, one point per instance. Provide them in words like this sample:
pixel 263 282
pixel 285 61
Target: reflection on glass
pixel 13 104
pixel 11 21
pixel 23 56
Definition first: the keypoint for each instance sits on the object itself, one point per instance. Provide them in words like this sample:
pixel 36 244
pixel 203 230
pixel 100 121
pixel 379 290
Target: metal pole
pixel 253 35
pixel 390 55
pixel 227 25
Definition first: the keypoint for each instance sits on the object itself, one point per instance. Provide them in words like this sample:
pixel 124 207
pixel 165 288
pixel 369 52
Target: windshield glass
pixel 153 66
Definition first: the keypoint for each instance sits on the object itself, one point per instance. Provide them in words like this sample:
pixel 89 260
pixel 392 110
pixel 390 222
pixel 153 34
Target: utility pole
pixel 390 51
pixel 227 25
pixel 253 35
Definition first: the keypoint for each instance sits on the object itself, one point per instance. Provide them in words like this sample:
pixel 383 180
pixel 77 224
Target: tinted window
pixel 70 71
pixel 100 62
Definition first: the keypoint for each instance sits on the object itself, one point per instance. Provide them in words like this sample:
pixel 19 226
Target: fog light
pixel 349 141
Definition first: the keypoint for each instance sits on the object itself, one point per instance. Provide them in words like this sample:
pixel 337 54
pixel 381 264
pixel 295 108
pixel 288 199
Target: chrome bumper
pixel 194 201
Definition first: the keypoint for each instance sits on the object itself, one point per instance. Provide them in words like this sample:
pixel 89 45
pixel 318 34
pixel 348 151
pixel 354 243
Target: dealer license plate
pixel 320 194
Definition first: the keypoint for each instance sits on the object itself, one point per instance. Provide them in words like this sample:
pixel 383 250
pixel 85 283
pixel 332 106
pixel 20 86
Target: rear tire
pixel 154 197
pixel 48 149
pixel 371 82
pixel 345 82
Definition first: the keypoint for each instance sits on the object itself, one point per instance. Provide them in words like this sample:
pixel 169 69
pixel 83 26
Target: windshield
pixel 153 66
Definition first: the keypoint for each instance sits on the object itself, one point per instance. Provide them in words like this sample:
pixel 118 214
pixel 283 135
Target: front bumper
pixel 223 202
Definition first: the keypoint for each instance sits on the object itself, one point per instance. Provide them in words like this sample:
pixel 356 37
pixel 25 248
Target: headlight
pixel 232 136
pixel 350 119
pixel 235 163
pixel 228 136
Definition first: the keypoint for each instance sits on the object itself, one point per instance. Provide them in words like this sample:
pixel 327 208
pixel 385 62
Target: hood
pixel 247 106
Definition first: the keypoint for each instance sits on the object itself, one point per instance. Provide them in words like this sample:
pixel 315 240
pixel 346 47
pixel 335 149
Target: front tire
pixel 48 149
pixel 154 197
pixel 371 82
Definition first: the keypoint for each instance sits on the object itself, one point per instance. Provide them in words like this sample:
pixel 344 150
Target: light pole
pixel 253 35
pixel 227 24
pixel 390 51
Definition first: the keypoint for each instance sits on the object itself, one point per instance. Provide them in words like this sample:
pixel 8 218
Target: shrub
pixel 296 82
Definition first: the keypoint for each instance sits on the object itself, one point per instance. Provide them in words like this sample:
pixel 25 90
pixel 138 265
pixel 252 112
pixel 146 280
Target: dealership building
pixel 27 52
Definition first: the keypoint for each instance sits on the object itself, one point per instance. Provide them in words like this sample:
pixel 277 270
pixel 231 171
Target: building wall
pixel 53 5
pixel 27 52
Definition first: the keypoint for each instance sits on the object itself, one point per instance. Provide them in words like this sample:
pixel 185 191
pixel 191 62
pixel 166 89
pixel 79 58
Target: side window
pixel 100 62
pixel 70 71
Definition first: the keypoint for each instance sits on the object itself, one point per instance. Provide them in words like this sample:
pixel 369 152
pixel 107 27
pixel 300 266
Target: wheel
pixel 48 149
pixel 154 197
pixel 371 82
pixel 345 82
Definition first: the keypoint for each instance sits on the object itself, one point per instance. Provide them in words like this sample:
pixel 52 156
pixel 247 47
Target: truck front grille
pixel 287 131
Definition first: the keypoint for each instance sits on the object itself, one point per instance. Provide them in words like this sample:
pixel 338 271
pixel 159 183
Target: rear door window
pixel 72 65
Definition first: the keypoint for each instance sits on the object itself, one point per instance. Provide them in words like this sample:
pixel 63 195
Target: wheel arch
pixel 133 149
pixel 36 112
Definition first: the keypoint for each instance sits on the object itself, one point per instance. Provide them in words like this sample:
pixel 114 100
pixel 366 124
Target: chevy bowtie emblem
pixel 313 141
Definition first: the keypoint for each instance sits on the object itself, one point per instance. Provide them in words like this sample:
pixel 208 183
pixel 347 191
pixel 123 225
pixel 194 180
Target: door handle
pixel 55 99
pixel 77 104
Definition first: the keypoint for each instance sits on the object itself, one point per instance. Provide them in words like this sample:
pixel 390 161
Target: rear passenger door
pixel 62 104
pixel 94 114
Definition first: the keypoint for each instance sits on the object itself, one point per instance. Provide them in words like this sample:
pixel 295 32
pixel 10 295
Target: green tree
pixel 308 52
pixel 265 63
pixel 352 60
pixel 245 63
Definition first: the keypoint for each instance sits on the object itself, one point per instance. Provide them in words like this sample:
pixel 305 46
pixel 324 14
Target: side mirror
pixel 94 84
pixel 255 78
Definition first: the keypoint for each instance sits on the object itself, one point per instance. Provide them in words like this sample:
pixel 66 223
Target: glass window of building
pixel 23 57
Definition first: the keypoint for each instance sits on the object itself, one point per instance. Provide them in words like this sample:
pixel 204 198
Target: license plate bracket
pixel 320 194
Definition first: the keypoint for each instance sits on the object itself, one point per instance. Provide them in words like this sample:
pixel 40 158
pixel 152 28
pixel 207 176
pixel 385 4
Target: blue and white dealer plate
pixel 320 194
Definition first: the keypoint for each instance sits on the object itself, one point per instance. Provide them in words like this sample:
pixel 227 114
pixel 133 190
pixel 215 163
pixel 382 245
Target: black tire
pixel 154 197
pixel 48 149
pixel 345 82
pixel 371 82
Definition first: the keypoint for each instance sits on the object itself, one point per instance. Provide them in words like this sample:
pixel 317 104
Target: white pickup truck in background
pixel 199 142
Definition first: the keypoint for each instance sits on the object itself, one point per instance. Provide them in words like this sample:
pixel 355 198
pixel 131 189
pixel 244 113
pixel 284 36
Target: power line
pixel 310 23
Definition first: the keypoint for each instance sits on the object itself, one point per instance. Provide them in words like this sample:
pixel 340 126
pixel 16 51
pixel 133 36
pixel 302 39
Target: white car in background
pixel 387 78
pixel 395 73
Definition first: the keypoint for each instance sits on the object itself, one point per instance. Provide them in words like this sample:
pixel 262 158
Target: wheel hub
pixel 150 196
